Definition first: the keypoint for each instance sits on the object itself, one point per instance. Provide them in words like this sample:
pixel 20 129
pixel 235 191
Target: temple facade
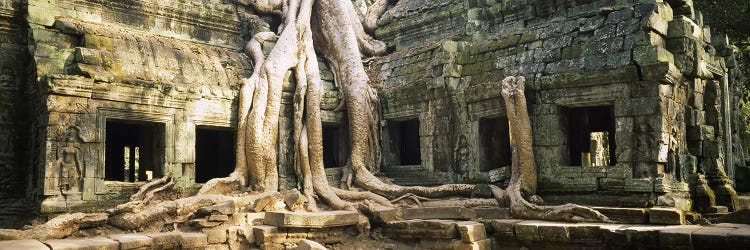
pixel 633 103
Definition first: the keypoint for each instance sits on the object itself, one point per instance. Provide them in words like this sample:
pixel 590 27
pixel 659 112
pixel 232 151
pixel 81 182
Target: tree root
pixel 184 207
pixel 57 228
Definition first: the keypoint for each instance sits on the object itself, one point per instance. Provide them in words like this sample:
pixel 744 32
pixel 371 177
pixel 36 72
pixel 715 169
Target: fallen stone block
pixel 323 219
pixel 269 203
pixel 203 223
pixel 226 208
pixel 294 200
pixel 193 240
pixel 471 231
pixel 260 233
pixel 383 215
pixel 457 213
pixel 666 216
pixel 216 235
pixel 98 243
pixel 485 244
pixel 624 215
pixel 22 244
pixel 218 218
pixel 309 245
pixel 132 241
pixel 167 240
pixel 677 237
pixel 711 238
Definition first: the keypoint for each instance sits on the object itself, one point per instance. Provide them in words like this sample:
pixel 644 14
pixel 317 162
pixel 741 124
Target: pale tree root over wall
pixel 340 37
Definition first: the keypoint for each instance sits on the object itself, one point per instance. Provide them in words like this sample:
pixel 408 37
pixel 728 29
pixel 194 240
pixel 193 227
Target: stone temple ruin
pixel 633 106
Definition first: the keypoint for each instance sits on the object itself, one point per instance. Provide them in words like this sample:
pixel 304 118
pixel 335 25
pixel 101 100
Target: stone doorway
pixel 134 150
pixel 591 136
pixel 494 137
pixel 335 146
pixel 214 153
pixel 405 145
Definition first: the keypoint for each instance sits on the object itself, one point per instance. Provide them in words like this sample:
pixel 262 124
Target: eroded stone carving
pixel 69 165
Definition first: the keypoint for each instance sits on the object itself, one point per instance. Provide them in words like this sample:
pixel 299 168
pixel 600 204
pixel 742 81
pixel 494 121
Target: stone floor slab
pixel 23 244
pixel 323 219
pixel 132 241
pixel 165 240
pixel 94 243
pixel 711 238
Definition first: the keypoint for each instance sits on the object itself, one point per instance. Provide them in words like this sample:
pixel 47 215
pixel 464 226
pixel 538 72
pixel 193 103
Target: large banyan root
pixel 523 169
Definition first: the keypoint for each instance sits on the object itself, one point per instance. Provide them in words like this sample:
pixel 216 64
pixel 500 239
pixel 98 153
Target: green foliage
pixel 731 17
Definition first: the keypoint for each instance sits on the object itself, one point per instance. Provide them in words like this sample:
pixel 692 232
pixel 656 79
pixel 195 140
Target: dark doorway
pixel 134 150
pixel 495 143
pixel 404 137
pixel 334 149
pixel 214 153
pixel 591 136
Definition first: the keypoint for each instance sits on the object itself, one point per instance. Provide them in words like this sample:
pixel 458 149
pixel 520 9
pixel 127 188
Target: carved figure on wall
pixel 69 164
pixel 644 149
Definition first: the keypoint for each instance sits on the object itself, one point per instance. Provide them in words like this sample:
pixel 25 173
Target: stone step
pixel 323 219
pixel 625 215
pixel 269 237
pixel 414 229
pixel 168 240
pixel 456 213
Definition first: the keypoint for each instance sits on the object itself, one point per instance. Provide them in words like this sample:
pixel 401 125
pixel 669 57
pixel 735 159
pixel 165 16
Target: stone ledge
pixel 325 219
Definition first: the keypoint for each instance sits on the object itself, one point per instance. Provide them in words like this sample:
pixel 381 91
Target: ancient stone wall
pixel 11 79
pixel 641 61
pixel 169 67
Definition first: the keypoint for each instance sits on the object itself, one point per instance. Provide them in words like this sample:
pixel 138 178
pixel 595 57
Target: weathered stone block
pixel 485 244
pixel 226 208
pixel 492 213
pixel 460 213
pixel 193 240
pixel 309 245
pixel 262 231
pixel 666 216
pixel 471 231
pixel 684 27
pixel 739 238
pixel 98 243
pixel 322 219
pixel 652 54
pixel 624 215
pixel 165 240
pixel 132 241
pixel 711 238
pixel 218 218
pixel 22 244
pixel 677 237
